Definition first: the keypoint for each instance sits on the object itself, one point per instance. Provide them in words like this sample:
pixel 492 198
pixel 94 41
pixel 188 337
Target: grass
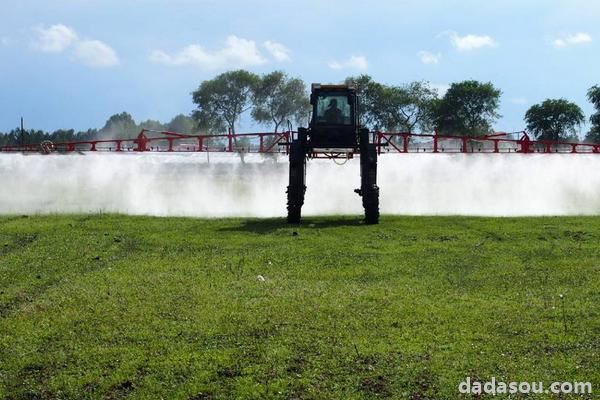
pixel 111 306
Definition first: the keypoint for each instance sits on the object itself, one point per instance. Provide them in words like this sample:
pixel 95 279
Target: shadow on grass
pixel 269 225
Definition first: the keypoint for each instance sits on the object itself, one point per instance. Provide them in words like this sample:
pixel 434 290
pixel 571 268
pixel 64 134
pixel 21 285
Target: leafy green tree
pixel 29 136
pixel 554 119
pixel 119 125
pixel 151 124
pixel 593 95
pixel 407 107
pixel 32 136
pixel 5 139
pixel 222 100
pixel 182 124
pixel 63 135
pixel 370 95
pixel 468 108
pixel 13 137
pixel 90 134
pixel 278 98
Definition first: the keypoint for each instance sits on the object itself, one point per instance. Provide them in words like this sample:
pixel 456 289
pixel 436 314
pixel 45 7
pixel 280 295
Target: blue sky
pixel 73 63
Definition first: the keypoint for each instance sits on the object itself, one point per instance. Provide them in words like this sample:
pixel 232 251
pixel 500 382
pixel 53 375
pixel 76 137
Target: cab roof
pixel 329 86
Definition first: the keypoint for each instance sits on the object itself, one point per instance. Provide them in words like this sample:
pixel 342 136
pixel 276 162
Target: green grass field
pixel 111 306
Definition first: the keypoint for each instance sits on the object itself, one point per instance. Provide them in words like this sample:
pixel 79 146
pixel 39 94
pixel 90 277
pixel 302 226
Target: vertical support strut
pixel 525 143
pixel 369 191
pixel 142 142
pixel 465 141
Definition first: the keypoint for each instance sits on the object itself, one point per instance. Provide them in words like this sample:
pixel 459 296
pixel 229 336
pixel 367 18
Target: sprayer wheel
pixel 293 215
pixel 297 187
pixel 294 204
pixel 371 205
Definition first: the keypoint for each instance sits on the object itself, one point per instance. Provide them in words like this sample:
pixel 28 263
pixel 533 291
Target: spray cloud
pixel 188 185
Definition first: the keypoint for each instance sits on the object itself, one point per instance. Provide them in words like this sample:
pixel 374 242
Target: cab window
pixel 333 110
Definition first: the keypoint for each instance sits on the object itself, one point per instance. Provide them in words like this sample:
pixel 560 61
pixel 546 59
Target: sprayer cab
pixel 334 121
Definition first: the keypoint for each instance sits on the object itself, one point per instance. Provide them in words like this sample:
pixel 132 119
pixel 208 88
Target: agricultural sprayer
pixel 334 132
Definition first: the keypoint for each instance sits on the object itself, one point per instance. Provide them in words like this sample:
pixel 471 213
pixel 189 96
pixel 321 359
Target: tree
pixel 593 96
pixel 278 98
pixel 119 125
pixel 468 108
pixel 370 94
pixel 63 135
pixel 90 134
pixel 406 108
pixel 554 119
pixel 222 100
pixel 151 124
pixel 31 136
pixel 182 123
pixel 14 137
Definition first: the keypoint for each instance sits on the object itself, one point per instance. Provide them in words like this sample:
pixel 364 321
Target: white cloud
pixel 441 88
pixel 427 57
pixel 237 53
pixel 470 42
pixel 4 41
pixel 95 53
pixel 569 40
pixel 354 62
pixel 519 101
pixel 60 38
pixel 278 51
pixel 54 39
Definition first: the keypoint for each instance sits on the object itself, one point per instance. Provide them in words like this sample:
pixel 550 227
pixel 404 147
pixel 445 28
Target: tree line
pixel 468 108
pixel 121 125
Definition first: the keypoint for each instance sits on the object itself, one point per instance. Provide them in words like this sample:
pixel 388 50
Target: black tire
pixel 371 206
pixel 297 180
pixel 294 214
pixel 368 188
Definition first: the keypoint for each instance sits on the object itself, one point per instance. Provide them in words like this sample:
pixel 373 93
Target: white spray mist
pixel 186 185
